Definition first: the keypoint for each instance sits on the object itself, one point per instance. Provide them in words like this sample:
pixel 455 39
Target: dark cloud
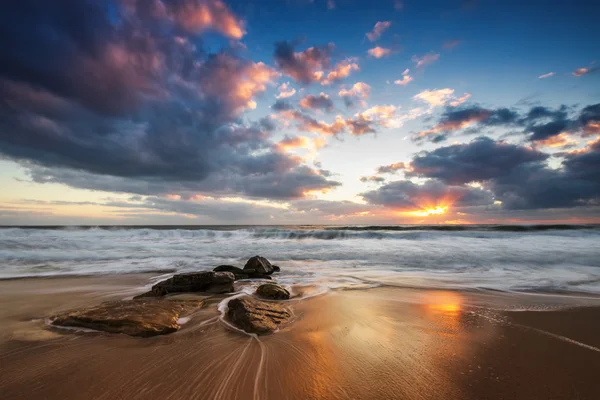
pixel 282 105
pixel 406 195
pixel 120 96
pixel 538 124
pixel 302 66
pixel 477 161
pixel 391 168
pixel 320 102
pixel 373 178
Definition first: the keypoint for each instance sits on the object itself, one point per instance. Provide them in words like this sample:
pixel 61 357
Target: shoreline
pixel 377 343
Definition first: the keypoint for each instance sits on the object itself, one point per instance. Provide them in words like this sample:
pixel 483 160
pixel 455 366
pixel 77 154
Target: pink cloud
pixel 379 52
pixel 378 30
pixel 199 16
pixel 427 59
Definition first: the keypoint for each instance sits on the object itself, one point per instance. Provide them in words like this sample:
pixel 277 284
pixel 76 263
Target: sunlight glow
pixel 426 212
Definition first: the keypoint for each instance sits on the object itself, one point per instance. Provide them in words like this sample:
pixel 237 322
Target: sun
pixel 427 212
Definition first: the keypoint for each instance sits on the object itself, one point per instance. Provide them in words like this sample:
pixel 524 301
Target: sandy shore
pixel 385 343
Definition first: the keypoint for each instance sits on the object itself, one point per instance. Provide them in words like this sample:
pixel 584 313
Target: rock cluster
pixel 156 313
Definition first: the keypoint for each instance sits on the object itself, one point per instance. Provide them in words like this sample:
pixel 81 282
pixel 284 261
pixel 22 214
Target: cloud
pixel 585 71
pixel 359 90
pixel 129 107
pixel 305 66
pixel 516 176
pixel 548 75
pixel 406 78
pixel 373 178
pixel 320 102
pixel 200 15
pixel 392 168
pixel 436 97
pixel 378 30
pixel 456 119
pixel 379 52
pixel 450 44
pixel 285 91
pixel 426 59
pixel 479 160
pixel 460 100
pixel 409 196
pixel 342 70
pixel 562 140
pixel 398 5
pixel 589 120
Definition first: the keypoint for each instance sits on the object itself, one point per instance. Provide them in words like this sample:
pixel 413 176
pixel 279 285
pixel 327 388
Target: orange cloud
pixel 592 128
pixel 198 16
pixel 342 70
pixel 558 141
pixel 460 100
pixel 285 91
pixel 379 52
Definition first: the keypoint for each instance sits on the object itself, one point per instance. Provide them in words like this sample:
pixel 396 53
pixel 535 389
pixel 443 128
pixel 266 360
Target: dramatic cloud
pixel 197 15
pixel 517 177
pixel 408 196
pixel 306 66
pixel 320 102
pixel 130 107
pixel 285 91
pixel 425 60
pixel 455 119
pixel 378 30
pixel 548 75
pixel 477 161
pixel 379 52
pixel 406 78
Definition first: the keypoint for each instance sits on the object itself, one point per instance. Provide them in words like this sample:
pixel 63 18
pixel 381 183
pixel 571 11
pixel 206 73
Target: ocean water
pixel 507 258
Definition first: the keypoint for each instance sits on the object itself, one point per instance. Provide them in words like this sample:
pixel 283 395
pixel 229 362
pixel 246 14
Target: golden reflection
pixel 446 308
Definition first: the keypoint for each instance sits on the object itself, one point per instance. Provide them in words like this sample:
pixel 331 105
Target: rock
pixel 276 268
pixel 272 291
pixel 255 316
pixel 210 281
pixel 238 272
pixel 257 266
pixel 144 317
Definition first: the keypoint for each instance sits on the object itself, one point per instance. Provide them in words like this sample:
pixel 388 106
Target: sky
pixel 299 112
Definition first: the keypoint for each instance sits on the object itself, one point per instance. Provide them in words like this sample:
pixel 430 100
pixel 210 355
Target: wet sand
pixel 384 343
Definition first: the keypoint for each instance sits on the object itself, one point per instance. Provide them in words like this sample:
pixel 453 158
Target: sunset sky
pixel 299 112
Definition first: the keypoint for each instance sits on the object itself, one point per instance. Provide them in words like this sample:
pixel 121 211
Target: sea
pixel 521 258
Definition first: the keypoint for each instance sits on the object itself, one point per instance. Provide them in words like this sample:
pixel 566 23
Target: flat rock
pixel 273 292
pixel 237 272
pixel 255 316
pixel 209 282
pixel 143 317
pixel 257 266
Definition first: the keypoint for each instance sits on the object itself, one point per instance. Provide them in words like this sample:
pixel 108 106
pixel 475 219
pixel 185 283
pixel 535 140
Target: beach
pixel 375 343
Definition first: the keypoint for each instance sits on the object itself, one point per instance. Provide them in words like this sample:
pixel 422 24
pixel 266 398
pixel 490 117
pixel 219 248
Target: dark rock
pixel 144 317
pixel 258 265
pixel 272 291
pixel 276 268
pixel 238 272
pixel 255 316
pixel 210 281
